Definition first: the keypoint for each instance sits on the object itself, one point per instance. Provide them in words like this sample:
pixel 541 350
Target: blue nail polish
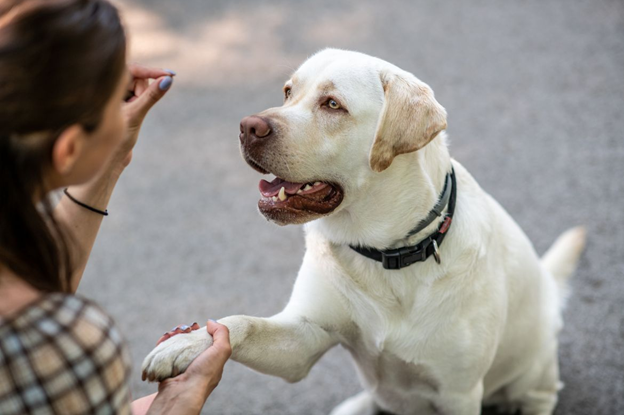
pixel 184 328
pixel 213 320
pixel 165 84
pixel 173 329
pixel 170 71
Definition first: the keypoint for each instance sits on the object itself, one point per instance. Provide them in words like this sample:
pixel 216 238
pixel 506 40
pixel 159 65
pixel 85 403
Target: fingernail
pixel 173 329
pixel 213 320
pixel 165 84
pixel 165 333
pixel 195 323
pixel 170 71
pixel 184 328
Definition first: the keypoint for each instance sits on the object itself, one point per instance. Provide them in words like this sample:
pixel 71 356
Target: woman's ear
pixel 410 119
pixel 67 149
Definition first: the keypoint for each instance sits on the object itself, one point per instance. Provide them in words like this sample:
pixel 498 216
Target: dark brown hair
pixel 60 61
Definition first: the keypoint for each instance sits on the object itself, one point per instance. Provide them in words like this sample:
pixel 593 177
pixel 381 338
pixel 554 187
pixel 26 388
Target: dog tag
pixel 436 252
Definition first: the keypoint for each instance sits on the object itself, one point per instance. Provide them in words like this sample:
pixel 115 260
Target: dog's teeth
pixel 316 183
pixel 307 187
pixel 299 191
pixel 274 199
pixel 281 194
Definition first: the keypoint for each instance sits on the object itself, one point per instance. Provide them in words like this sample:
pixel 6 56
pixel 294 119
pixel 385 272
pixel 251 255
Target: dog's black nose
pixel 253 128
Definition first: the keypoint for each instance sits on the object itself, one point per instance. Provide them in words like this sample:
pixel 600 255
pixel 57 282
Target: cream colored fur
pixel 479 328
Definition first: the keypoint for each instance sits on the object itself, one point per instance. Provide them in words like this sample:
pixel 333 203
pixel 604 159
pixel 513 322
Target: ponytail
pixel 32 244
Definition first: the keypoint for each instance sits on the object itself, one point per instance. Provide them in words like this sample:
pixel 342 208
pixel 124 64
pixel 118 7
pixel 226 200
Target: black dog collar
pixel 398 258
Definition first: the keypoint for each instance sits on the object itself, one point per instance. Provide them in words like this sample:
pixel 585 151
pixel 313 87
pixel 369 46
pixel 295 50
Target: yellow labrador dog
pixel 434 326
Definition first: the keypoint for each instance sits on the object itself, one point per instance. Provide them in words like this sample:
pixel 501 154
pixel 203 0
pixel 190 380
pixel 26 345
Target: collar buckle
pixel 397 259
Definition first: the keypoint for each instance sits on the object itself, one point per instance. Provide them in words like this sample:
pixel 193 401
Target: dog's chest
pixel 397 363
pixel 398 316
pixel 394 310
pixel 401 386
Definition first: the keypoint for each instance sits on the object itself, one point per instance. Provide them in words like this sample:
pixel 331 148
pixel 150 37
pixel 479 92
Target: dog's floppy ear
pixel 410 119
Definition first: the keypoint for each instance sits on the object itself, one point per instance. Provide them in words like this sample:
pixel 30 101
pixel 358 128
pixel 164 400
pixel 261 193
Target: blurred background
pixel 534 94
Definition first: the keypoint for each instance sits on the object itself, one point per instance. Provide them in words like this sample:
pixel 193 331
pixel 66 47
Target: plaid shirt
pixel 63 354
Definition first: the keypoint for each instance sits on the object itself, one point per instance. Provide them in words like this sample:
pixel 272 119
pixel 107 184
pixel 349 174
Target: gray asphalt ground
pixel 534 92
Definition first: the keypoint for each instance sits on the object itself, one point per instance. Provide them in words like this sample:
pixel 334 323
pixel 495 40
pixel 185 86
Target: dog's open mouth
pixel 314 197
pixel 286 202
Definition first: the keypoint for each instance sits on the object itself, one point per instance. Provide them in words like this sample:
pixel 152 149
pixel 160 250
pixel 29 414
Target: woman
pixel 68 119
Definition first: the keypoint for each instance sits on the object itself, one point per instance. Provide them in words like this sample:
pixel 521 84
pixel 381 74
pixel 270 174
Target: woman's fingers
pixel 210 364
pixel 140 71
pixel 136 88
pixel 179 329
pixel 138 108
pixel 143 95
pixel 221 338
pixel 141 84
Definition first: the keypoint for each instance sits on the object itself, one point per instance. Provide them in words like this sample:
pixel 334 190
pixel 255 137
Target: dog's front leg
pixel 284 345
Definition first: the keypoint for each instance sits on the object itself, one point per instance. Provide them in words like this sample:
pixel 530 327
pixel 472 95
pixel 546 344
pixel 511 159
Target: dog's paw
pixel 173 356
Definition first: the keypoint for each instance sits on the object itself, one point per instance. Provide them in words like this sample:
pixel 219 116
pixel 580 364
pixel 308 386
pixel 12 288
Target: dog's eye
pixel 333 104
pixel 287 93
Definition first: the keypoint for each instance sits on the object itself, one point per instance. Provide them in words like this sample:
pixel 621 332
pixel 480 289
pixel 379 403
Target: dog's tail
pixel 561 259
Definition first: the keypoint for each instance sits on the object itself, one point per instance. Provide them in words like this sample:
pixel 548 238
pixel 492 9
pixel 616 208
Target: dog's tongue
pixel 269 189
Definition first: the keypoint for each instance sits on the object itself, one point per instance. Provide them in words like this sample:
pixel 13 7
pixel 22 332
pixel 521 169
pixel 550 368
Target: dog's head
pixel 345 118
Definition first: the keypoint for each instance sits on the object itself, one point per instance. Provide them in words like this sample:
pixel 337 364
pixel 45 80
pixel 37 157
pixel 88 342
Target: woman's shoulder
pixel 63 354
pixel 62 307
pixel 54 311
pixel 70 317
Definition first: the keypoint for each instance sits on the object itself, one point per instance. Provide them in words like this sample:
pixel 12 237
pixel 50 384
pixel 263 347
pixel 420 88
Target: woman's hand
pixel 187 392
pixel 142 95
pixel 85 224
